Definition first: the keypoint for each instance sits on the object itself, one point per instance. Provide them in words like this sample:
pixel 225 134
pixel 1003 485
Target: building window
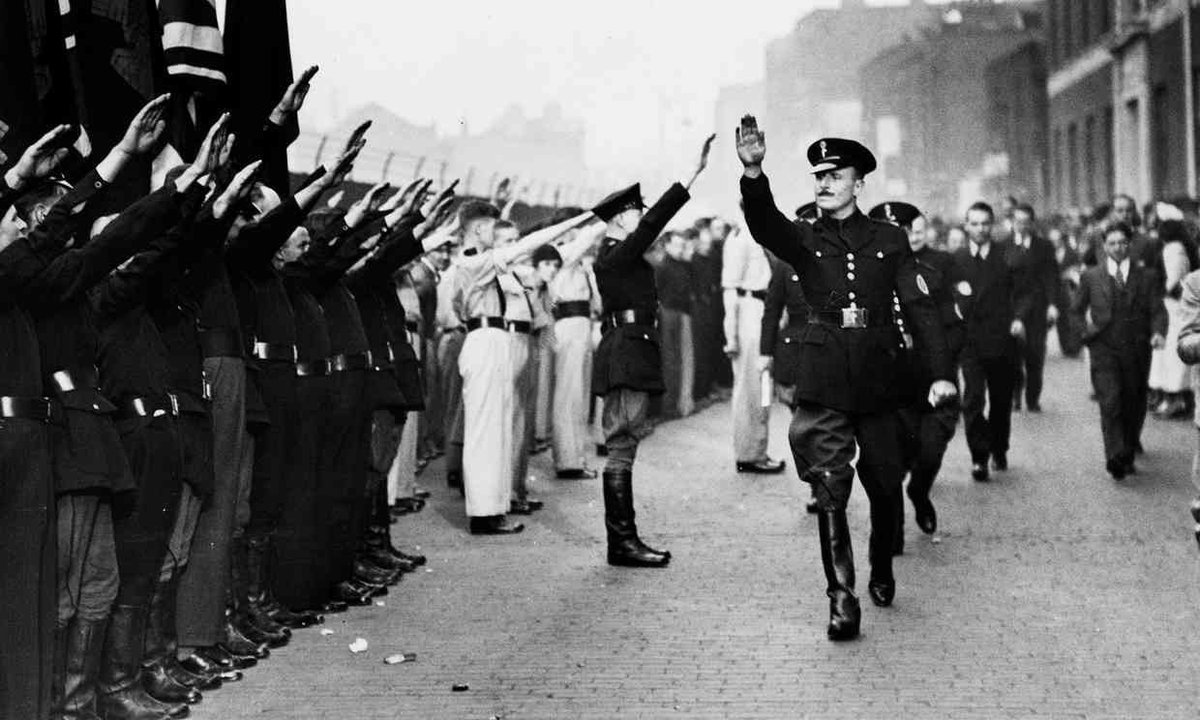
pixel 1103 16
pixel 1090 171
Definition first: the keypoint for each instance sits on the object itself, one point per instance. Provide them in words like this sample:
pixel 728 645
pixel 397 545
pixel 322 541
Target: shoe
pixel 576 474
pixel 979 472
pixel 160 685
pixel 381 538
pixel 926 515
pixel 1034 407
pixel 421 494
pixel 494 525
pixel 766 466
pixel 884 527
pixel 1000 461
pixel 601 450
pixel 625 548
pixel 409 505
pixel 201 681
pixel 1116 468
pixel 454 479
pixel 811 507
pixel 526 506
pixel 837 558
pixel 238 645
pixel 223 657
pixel 375 575
pixel 333 607
pixel 350 594
pixel 160 648
pixel 294 620
pixel 1016 406
pixel 387 561
pixel 199 665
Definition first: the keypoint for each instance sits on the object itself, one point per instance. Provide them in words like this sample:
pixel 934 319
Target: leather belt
pixel 67 380
pixel 312 368
pixel 188 403
pixel 356 361
pixel 630 317
pixel 478 323
pixel 29 408
pixel 850 318
pixel 518 326
pixel 220 342
pixel 756 294
pixel 274 351
pixel 572 308
pixel 150 407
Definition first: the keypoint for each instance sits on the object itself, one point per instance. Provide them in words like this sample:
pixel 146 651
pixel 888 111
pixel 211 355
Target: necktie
pixel 1120 278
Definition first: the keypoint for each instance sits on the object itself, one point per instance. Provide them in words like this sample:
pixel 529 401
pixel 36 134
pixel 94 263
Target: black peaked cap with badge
pixel 619 201
pixel 895 212
pixel 832 153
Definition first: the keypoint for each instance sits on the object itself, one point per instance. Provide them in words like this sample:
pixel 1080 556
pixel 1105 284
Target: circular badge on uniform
pixel 963 288
pixel 921 285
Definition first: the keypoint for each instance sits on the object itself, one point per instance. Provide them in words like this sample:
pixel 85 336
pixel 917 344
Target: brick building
pixel 1018 156
pixel 1121 91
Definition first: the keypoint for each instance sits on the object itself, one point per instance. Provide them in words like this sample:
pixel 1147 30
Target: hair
pixel 475 210
pixel 1120 227
pixel 320 221
pixel 1027 209
pixel 47 193
pixel 980 205
pixel 546 253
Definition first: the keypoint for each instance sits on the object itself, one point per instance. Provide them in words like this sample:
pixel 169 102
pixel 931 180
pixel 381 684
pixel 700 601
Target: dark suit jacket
pixel 783 293
pixel 1147 315
pixel 1035 275
pixel 989 300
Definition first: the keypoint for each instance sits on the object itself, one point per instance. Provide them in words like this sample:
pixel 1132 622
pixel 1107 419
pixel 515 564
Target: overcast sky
pixel 634 71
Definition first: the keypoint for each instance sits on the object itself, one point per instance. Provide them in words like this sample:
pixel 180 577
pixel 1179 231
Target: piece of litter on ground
pixel 936 540
pixel 326 632
pixel 460 687
pixel 428 569
pixel 359 645
pixel 400 658
pixel 380 603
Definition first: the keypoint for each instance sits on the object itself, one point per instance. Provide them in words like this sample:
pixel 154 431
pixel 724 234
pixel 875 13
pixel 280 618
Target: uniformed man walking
pixel 628 367
pixel 856 273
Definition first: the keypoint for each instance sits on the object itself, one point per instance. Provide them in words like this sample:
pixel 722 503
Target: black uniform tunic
pixel 628 355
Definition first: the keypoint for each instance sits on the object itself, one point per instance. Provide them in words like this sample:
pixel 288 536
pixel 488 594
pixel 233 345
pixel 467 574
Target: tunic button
pixel 95 406
pixel 849 266
pixel 850 276
pixel 850 256
pixel 795 278
pixel 852 296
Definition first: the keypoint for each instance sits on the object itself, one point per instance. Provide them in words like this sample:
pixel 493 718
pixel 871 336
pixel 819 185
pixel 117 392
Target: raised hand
pixel 751 142
pixel 237 189
pixel 358 211
pixel 146 128
pixel 703 158
pixel 216 144
pixel 345 163
pixel 42 158
pixel 293 97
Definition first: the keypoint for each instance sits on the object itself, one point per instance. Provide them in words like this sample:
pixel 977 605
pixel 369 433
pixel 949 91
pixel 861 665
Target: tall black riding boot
pixel 249 566
pixel 121 694
pixel 837 557
pixel 82 641
pixel 882 585
pixel 160 646
pixel 624 546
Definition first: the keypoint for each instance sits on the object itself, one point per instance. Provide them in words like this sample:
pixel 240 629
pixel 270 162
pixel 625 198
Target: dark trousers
pixel 204 584
pixel 342 471
pixel 925 432
pixel 143 518
pixel 987 382
pixel 1070 335
pixel 824 442
pixel 27 565
pixel 300 539
pixel 1031 362
pixel 706 339
pixel 678 362
pixel 1120 380
pixel 277 384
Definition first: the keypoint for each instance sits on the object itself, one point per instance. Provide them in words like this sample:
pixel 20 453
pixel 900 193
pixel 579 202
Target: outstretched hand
pixel 703 158
pixel 751 142
pixel 236 191
pixel 146 128
pixel 214 151
pixel 293 97
pixel 41 159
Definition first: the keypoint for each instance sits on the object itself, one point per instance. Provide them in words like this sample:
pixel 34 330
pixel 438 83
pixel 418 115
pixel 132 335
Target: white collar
pixel 980 250
pixel 1124 267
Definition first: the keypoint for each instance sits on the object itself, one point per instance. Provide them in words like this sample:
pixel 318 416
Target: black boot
pixel 918 493
pixel 122 696
pixel 380 537
pixel 248 569
pixel 624 546
pixel 77 658
pixel 837 557
pixel 159 649
pixel 237 644
pixel 882 585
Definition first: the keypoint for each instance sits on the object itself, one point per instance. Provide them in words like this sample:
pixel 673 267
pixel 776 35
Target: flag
pixel 192 46
pixel 258 59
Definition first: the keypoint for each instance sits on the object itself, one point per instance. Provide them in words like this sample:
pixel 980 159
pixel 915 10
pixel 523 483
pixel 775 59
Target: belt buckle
pixel 853 317
pixel 6 407
pixel 64 381
pixel 139 407
pixel 206 391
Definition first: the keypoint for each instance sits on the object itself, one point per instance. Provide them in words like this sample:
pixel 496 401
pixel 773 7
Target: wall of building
pixel 1081 142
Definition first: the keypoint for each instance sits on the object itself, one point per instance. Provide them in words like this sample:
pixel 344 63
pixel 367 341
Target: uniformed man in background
pixel 856 273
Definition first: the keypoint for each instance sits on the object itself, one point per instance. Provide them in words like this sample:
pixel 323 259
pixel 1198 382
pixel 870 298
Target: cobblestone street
pixel 1055 592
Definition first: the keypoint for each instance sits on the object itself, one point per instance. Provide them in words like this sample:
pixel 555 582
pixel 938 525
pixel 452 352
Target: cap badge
pixel 824 152
pixel 887 211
